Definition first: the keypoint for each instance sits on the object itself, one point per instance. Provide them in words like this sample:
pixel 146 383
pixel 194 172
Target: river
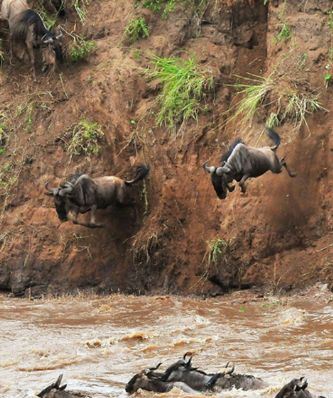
pixel 98 343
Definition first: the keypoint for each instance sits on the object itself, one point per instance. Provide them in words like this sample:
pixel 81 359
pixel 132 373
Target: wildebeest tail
pixel 141 172
pixel 274 136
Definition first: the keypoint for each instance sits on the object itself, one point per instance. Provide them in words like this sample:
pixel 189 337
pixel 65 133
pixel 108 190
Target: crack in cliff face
pixel 162 247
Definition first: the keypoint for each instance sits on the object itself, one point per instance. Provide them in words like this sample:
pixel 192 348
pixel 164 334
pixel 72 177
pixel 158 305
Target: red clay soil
pixel 278 235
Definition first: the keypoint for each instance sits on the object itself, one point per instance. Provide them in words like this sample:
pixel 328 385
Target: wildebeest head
pixel 294 389
pixel 60 198
pixel 178 368
pixel 51 390
pixel 140 380
pixel 51 49
pixel 219 180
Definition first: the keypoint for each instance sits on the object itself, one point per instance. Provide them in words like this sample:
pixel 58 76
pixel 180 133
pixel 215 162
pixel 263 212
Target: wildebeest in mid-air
pixel 81 193
pixel 242 162
pixel 28 32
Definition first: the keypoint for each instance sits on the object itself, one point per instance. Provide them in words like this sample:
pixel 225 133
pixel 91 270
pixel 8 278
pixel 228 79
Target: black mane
pixel 226 155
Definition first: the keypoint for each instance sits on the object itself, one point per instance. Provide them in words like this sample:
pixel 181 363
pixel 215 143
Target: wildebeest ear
pixel 63 387
pixel 57 383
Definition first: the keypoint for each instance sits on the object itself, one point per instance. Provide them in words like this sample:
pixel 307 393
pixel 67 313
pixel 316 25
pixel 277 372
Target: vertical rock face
pixel 277 235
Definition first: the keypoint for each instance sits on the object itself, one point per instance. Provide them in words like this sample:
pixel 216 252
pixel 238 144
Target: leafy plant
pixel 136 29
pixel 81 48
pixel 85 138
pixel 284 33
pixel 328 78
pixel 216 249
pixel 183 86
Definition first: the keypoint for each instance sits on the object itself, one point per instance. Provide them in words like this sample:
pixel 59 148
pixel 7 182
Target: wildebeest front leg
pixel 92 223
pixel 242 183
pixel 290 173
pixel 231 188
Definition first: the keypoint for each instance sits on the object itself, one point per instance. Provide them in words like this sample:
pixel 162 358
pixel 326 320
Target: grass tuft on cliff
pixel 136 29
pixel 286 97
pixel 81 48
pixel 85 138
pixel 183 87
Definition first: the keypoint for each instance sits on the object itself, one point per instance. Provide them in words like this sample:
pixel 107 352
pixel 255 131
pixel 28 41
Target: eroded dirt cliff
pixel 278 234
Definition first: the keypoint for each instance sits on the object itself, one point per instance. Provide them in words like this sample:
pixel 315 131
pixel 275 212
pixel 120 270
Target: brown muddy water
pixel 99 343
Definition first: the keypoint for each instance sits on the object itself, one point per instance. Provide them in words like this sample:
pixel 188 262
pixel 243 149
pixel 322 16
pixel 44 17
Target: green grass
pixel 287 99
pixel 330 20
pixel 284 33
pixel 183 87
pixel 253 92
pixel 80 7
pixel 85 138
pixel 136 29
pixel 165 7
pixel 81 48
pixel 216 250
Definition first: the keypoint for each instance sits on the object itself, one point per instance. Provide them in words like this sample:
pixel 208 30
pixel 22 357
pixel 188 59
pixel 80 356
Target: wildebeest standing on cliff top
pixel 82 193
pixel 26 29
pixel 242 162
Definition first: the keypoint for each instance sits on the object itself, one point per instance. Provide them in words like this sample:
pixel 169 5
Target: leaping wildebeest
pixel 242 162
pixel 81 193
pixel 26 29
pixel 296 388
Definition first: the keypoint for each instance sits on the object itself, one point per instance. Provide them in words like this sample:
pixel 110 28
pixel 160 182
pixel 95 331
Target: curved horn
pixel 222 170
pixel 156 367
pixel 57 383
pixel 50 191
pixel 189 361
pixel 229 371
pixel 209 169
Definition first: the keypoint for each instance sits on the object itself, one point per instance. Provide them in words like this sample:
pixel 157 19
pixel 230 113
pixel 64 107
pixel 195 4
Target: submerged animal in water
pixel 55 390
pixel 150 380
pixel 296 388
pixel 201 381
pixel 82 193
pixel 242 162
